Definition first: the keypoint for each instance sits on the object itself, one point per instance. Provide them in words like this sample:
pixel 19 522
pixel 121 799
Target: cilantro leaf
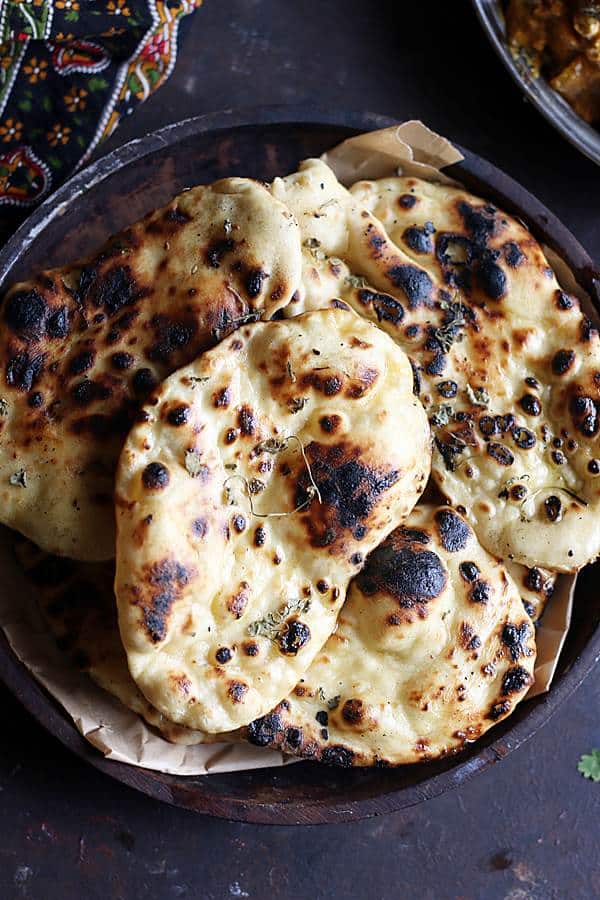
pixel 589 765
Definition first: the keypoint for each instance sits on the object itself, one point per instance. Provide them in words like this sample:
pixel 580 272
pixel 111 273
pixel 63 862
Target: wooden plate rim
pixel 477 174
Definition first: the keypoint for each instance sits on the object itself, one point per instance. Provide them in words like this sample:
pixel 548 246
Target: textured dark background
pixel 526 830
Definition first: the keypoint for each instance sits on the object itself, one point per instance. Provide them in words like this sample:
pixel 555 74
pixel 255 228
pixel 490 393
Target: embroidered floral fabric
pixel 69 71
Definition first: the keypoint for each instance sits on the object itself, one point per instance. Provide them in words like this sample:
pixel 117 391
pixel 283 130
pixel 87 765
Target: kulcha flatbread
pixel 536 587
pixel 262 476
pixel 77 602
pixel 81 346
pixel 508 366
pixel 432 648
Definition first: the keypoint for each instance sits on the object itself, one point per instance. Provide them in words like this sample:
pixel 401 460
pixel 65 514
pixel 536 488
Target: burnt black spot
pixel 322 717
pixel 86 392
pixel 562 361
pixel 498 710
pixel 254 282
pixel 437 365
pixel 469 571
pixel 480 592
pixel 356 559
pixel 410 576
pixel 35 400
pixel 415 283
pixel 221 398
pixel 513 254
pixel 337 756
pixel 594 466
pixel 454 532
pixel 449 451
pixel 353 711
pixel 178 416
pixel 112 290
pixel 515 638
pixel 223 655
pixel 293 738
pixel 518 492
pixel 585 415
pixel 122 361
pixel 82 362
pixel 266 730
pixel 239 523
pixel 322 586
pixel 217 250
pixel 25 315
pixel 332 386
pixel 260 536
pixel 490 277
pixel 200 527
pixel 237 691
pixel 479 222
pixel 155 476
pixel 506 422
pixel 349 490
pixel 523 438
pixel 170 337
pixel 386 308
pixel 166 580
pixel 294 636
pixel 251 649
pixel 530 405
pixel 500 453
pixel 57 325
pixel 552 508
pixel 23 370
pixel 419 239
pixel 515 680
pixel 406 201
pixel 447 388
pixel 587 329
pixel 412 535
pixel 246 421
pixel 416 378
pixel 143 382
pixel 330 424
pixel 488 426
pixel 563 301
pixel 558 457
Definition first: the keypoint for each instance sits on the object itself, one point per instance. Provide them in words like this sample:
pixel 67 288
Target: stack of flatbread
pixel 297 464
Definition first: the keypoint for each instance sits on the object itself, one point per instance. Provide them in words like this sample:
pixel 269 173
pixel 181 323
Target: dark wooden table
pixel 528 829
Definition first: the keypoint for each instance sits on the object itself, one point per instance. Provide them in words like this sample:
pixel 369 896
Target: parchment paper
pixel 118 733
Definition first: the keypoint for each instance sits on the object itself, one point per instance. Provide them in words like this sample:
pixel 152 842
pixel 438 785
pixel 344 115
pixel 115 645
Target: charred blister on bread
pixel 416 669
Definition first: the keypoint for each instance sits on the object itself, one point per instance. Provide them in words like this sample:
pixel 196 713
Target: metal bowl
pixel 551 105
pixel 117 190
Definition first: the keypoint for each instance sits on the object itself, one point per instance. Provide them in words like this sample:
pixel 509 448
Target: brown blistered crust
pixel 506 364
pixel 82 347
pixel 467 677
pixel 349 491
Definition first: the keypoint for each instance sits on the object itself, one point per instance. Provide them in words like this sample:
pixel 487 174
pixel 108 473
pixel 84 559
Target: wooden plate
pixel 117 190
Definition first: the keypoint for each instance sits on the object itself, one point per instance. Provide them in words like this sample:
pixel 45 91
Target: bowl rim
pixel 47 711
pixel 547 101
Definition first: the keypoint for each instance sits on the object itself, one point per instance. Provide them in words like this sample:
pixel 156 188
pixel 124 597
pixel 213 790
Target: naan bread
pixel 507 364
pixel 432 648
pixel 536 587
pixel 80 346
pixel 261 477
pixel 77 602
